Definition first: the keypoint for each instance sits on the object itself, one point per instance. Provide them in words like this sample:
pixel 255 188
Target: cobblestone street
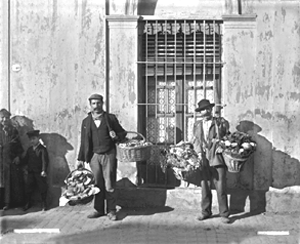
pixel 146 226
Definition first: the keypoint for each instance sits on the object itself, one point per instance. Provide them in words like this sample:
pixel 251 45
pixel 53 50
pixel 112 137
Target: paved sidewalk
pixel 145 226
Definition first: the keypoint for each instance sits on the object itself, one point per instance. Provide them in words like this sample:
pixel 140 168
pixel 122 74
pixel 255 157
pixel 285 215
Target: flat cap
pixel 33 133
pixel 96 96
pixel 4 112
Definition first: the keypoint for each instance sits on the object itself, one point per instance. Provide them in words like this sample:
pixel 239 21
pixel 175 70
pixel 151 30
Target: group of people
pixel 100 130
pixel 99 133
pixel 21 171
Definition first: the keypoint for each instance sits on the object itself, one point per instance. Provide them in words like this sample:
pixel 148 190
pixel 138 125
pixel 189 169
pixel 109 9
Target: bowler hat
pixel 203 104
pixel 32 133
pixel 96 96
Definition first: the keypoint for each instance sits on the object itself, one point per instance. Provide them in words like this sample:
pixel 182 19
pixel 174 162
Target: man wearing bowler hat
pixel 99 132
pixel 207 133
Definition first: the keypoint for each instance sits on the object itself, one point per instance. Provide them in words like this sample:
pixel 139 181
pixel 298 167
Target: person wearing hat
pixel 207 133
pixel 99 132
pixel 36 159
pixel 11 175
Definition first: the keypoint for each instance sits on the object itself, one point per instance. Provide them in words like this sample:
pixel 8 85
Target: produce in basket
pixel 181 157
pixel 134 143
pixel 80 185
pixel 238 145
pixel 134 149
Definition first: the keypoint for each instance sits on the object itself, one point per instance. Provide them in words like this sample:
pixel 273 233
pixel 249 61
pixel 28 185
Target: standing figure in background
pixel 99 132
pixel 11 174
pixel 36 160
pixel 207 133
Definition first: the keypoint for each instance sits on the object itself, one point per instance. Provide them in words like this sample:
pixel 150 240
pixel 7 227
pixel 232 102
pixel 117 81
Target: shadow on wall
pixel 242 184
pixel 272 168
pixel 57 147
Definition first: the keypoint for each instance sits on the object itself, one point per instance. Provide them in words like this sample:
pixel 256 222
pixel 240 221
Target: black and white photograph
pixel 149 121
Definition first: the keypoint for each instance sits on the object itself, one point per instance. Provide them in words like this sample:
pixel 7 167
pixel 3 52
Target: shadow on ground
pixel 158 232
pixel 124 212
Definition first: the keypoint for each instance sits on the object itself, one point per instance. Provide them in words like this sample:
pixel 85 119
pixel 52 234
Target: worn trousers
pixel 217 175
pixel 104 168
pixel 35 179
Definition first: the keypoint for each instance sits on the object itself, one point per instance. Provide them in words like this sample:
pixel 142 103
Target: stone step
pixel 285 199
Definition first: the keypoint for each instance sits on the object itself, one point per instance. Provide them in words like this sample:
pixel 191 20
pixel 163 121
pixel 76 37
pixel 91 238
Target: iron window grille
pixel 180 63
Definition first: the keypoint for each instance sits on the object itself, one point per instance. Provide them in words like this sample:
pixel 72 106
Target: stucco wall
pixel 261 78
pixel 262 89
pixel 60 49
pixel 4 95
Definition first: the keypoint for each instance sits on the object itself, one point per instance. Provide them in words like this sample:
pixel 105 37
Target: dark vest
pixel 35 159
pixel 102 142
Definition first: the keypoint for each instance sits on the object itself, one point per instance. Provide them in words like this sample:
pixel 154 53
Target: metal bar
pixel 195 66
pixel 185 98
pixel 166 107
pixel 165 114
pixel 155 89
pixel 204 58
pixel 176 84
pixel 147 96
pixel 214 65
pixel 9 54
pixel 153 62
pixel 160 18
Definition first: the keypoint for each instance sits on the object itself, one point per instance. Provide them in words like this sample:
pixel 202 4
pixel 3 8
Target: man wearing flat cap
pixel 99 132
pixel 207 133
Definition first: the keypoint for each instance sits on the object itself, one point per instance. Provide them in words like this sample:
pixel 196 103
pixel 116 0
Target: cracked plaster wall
pixel 60 47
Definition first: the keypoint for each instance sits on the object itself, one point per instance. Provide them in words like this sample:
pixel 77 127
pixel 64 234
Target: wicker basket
pixel 192 175
pixel 234 165
pixel 90 173
pixel 86 199
pixel 134 154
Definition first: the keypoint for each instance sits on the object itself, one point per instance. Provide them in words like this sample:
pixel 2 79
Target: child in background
pixel 37 160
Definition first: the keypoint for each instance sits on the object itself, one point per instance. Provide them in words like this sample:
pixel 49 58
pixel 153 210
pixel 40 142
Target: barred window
pixel 180 63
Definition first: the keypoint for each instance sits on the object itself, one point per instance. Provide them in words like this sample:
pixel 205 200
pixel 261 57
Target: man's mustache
pixel 97 109
pixel 205 114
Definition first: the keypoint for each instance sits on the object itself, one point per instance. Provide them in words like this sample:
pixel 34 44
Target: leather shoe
pixel 95 215
pixel 112 216
pixel 225 220
pixel 6 207
pixel 203 216
pixel 26 207
pixel 44 207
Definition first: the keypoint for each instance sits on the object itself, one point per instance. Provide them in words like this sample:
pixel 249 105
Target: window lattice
pixel 180 63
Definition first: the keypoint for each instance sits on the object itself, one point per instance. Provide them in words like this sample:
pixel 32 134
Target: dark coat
pixel 11 177
pixel 36 160
pixel 86 145
pixel 218 129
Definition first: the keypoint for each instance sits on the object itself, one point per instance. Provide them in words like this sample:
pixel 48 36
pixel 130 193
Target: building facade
pixel 153 61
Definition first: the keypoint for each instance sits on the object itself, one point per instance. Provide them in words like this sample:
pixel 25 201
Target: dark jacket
pixel 218 129
pixel 86 145
pixel 36 160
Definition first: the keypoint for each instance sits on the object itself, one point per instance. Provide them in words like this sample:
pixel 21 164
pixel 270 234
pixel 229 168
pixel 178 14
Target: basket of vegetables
pixel 182 159
pixel 236 150
pixel 80 187
pixel 134 149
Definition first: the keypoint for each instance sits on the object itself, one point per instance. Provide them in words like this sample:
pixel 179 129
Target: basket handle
pixel 79 169
pixel 137 133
